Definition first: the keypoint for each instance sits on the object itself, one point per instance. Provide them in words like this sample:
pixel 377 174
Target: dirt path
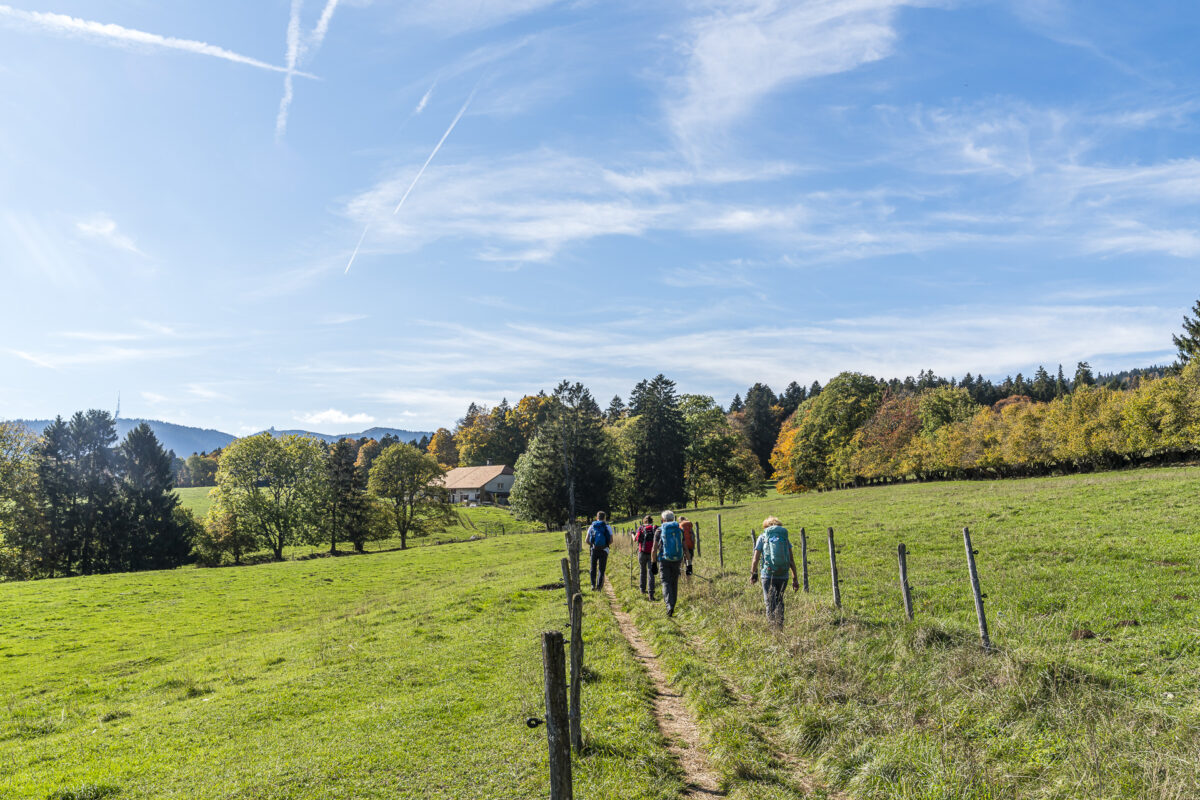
pixel 674 720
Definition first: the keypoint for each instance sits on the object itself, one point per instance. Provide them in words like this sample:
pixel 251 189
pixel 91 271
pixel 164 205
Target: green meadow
pixel 397 674
pixel 1093 598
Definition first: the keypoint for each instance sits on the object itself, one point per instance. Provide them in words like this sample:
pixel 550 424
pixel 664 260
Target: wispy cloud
pixel 102 227
pixel 742 51
pixel 424 101
pixel 119 36
pixel 334 417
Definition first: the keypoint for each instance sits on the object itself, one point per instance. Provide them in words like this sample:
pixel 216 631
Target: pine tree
pixel 792 397
pixel 814 390
pixel 616 409
pixel 346 501
pixel 1043 387
pixel 658 452
pixel 1060 383
pixel 1020 387
pixel 1188 342
pixel 761 423
pixel 154 538
pixel 1083 375
pixel 736 405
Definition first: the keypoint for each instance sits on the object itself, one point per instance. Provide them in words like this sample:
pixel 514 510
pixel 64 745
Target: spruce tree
pixel 761 423
pixel 1188 342
pixel 736 404
pixel 1043 387
pixel 792 397
pixel 345 506
pixel 658 439
pixel 1083 375
pixel 814 390
pixel 1060 383
pixel 154 538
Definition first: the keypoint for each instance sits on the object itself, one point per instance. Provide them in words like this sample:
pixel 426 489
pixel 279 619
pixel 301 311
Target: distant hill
pixel 185 440
pixel 370 433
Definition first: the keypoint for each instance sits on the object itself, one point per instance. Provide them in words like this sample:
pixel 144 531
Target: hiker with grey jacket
pixel 668 551
pixel 773 551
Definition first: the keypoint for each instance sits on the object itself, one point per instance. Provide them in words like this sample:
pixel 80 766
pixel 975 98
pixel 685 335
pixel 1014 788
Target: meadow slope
pixel 400 674
pixel 1094 603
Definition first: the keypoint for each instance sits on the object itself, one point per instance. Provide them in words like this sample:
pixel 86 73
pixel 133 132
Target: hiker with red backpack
pixel 689 544
pixel 668 551
pixel 774 551
pixel 599 537
pixel 644 538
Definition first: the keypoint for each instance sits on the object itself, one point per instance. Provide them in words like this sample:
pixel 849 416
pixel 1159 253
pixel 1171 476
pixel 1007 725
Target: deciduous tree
pixel 409 484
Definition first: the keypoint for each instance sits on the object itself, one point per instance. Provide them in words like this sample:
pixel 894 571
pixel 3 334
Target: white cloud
pixel 102 227
pixel 744 50
pixel 334 417
pixel 119 36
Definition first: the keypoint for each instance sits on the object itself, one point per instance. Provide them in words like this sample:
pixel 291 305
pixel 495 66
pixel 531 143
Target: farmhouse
pixel 490 484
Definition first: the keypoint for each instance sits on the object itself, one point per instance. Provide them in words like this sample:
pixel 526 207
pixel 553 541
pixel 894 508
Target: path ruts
pixel 676 724
pixel 681 731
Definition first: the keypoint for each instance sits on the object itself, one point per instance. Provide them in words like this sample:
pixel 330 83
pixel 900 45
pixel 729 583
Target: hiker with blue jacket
pixel 599 537
pixel 668 550
pixel 773 551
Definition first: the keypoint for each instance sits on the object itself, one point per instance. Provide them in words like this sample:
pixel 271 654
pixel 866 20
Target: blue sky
pixel 726 192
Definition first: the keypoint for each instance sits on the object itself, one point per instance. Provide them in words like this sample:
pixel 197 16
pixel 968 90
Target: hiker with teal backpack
pixel 668 550
pixel 599 537
pixel 774 551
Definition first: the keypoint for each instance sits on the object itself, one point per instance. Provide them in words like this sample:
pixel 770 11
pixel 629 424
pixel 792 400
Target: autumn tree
pixel 408 482
pixel 717 460
pixel 443 448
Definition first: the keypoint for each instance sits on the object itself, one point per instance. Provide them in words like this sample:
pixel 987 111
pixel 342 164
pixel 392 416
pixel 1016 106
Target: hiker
pixel 668 551
pixel 689 544
pixel 599 536
pixel 774 551
pixel 644 537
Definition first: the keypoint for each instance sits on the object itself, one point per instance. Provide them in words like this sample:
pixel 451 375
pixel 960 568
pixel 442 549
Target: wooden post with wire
pixel 984 639
pixel 804 557
pixel 557 733
pixel 566 572
pixel 905 589
pixel 576 671
pixel 720 544
pixel 837 591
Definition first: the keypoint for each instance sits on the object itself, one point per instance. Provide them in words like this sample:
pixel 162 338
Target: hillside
pixel 185 439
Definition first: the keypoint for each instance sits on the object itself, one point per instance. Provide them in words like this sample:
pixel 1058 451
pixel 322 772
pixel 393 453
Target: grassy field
pixel 402 674
pixel 478 521
pixel 1094 604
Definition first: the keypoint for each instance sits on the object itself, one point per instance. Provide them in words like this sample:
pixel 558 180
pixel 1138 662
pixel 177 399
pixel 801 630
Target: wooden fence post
pixel 566 571
pixel 629 539
pixel 576 670
pixel 720 544
pixel 905 590
pixel 557 735
pixel 804 557
pixel 837 592
pixel 696 525
pixel 983 630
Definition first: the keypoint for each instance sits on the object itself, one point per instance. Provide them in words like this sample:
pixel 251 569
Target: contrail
pixel 318 34
pixel 293 55
pixel 354 255
pixel 420 172
pixel 437 147
pixel 425 99
pixel 127 37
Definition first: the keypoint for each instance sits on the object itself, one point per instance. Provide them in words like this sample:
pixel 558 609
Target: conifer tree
pixel 736 405
pixel 761 423
pixel 1043 388
pixel 1188 341
pixel 154 538
pixel 658 446
pixel 1083 375
pixel 1060 383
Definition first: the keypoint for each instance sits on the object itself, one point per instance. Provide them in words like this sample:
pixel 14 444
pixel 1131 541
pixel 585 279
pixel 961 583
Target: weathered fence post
pixel 576 670
pixel 804 557
pixel 697 527
pixel 566 571
pixel 629 539
pixel 905 590
pixel 557 734
pixel 983 630
pixel 720 544
pixel 837 592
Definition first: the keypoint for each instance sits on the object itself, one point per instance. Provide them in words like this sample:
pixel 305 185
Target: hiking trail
pixel 674 720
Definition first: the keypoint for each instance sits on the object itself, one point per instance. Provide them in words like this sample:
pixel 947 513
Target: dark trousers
pixel 599 564
pixel 687 560
pixel 646 563
pixel 773 591
pixel 669 572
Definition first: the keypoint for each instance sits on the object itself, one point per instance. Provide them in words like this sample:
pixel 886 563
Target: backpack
pixel 777 552
pixel 689 540
pixel 672 542
pixel 599 535
pixel 646 538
